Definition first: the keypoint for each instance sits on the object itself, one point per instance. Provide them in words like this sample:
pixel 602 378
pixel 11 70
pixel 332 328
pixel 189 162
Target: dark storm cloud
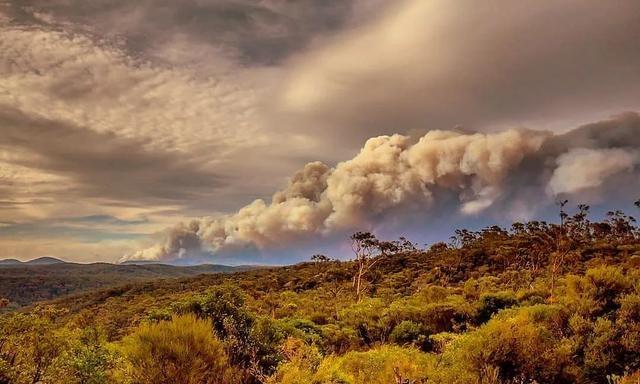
pixel 101 164
pixel 256 32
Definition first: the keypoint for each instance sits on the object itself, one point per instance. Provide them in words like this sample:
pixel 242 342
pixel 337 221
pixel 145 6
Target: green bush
pixel 491 303
pixel 382 365
pixel 407 332
pixel 516 345
pixel 183 350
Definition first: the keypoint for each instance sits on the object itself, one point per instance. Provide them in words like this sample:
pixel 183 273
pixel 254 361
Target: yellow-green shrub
pixel 183 350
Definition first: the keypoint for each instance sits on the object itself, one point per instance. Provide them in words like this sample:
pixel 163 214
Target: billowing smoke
pixel 393 175
pixel 181 240
pixel 583 168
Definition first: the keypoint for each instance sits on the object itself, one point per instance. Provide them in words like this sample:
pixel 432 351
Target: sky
pixel 238 131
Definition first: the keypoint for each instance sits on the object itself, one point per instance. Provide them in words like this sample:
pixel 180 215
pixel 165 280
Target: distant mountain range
pixel 47 260
pixel 39 261
pixel 46 278
pixel 140 262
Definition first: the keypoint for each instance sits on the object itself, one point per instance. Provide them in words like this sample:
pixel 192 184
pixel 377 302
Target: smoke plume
pixel 393 175
pixel 582 168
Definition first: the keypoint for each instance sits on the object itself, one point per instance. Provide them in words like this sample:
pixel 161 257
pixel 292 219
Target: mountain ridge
pixel 44 260
pixel 24 283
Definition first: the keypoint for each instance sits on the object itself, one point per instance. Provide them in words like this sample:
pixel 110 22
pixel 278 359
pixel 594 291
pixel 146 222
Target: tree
pixel 335 278
pixel 558 256
pixel 320 258
pixel 321 261
pixel 183 350
pixel 364 246
pixel 246 339
pixel 30 343
pixel 405 245
pixel 87 361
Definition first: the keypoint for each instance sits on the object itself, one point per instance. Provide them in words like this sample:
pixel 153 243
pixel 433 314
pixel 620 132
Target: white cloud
pixel 388 174
pixel 95 85
pixel 582 169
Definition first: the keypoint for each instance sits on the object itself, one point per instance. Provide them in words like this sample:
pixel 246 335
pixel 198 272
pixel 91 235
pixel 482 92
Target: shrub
pixel 606 284
pixel 183 350
pixel 597 293
pixel 87 361
pixel 337 339
pixel 515 345
pixel 491 303
pixel 387 364
pixel 407 332
pixel 629 322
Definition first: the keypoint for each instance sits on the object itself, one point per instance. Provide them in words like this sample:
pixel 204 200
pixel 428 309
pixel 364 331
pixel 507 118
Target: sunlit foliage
pixel 181 350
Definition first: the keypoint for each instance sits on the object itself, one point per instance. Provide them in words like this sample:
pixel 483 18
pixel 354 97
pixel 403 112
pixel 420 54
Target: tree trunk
pixel 359 283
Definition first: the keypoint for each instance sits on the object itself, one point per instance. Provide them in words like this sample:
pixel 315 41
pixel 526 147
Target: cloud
pixel 92 83
pixel 389 173
pixel 582 168
pixel 81 116
pixel 74 229
pixel 101 237
pixel 88 129
pixel 103 219
pixel 173 109
pixel 90 125
pixel 438 64
pixel 101 164
pixel 392 176
pixel 252 33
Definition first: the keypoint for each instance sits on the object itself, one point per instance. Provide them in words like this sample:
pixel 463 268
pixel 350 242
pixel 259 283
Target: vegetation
pixel 26 283
pixel 535 303
pixel 180 350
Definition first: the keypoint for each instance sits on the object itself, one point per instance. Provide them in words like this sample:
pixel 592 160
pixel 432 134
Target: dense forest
pixel 534 303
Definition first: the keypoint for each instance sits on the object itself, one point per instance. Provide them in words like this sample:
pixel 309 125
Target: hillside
pixel 46 260
pixel 36 280
pixel 10 262
pixel 535 303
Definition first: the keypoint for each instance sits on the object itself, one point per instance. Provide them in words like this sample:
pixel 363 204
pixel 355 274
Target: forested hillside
pixel 535 303
pixel 24 283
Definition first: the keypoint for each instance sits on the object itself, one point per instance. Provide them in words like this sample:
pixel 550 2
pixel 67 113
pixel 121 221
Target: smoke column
pixel 391 173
